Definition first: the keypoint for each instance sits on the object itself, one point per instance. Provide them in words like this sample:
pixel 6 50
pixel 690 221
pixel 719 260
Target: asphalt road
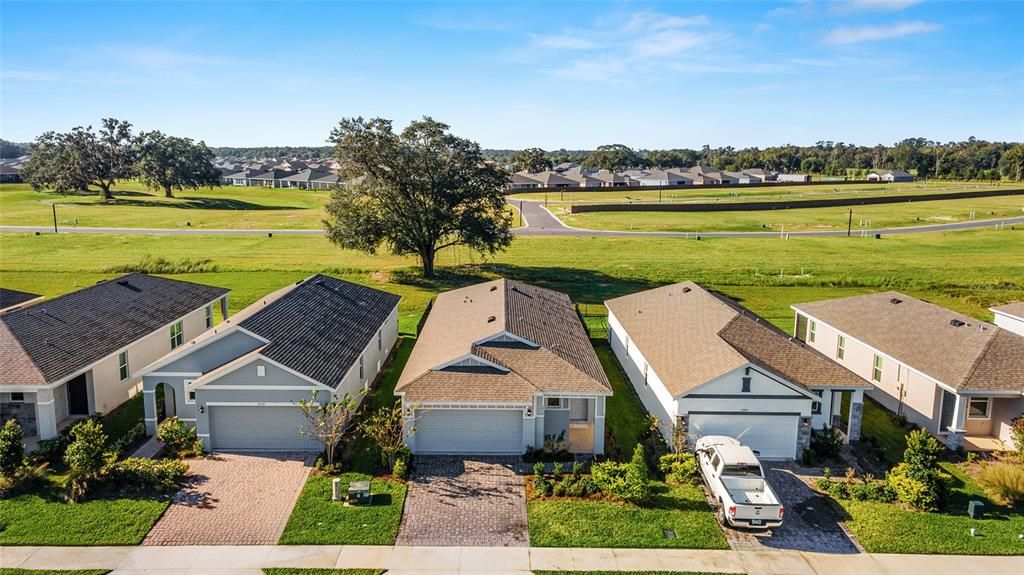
pixel 538 222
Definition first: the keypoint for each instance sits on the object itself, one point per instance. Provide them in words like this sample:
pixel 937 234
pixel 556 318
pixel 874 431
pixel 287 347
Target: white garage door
pixel 774 436
pixel 469 431
pixel 274 428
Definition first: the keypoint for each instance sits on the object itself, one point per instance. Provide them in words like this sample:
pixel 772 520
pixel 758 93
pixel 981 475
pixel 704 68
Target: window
pixel 841 348
pixel 18 397
pixel 555 402
pixel 812 331
pixel 122 365
pixel 261 371
pixel 360 367
pixel 977 408
pixel 816 406
pixel 380 341
pixel 190 394
pixel 209 316
pixel 177 337
pixel 746 385
pixel 876 371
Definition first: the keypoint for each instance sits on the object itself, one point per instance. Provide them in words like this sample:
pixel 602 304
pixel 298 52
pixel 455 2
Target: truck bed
pixel 749 491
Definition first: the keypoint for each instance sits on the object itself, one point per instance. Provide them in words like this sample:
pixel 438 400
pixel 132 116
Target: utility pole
pixel 849 224
pixel 54 206
pixel 520 213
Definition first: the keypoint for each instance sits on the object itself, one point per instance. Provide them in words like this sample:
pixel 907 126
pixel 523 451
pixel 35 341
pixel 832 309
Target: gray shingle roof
pixel 54 339
pixel 10 297
pixel 319 328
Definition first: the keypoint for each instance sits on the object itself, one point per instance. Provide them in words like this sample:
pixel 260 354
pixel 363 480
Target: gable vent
pixel 957 323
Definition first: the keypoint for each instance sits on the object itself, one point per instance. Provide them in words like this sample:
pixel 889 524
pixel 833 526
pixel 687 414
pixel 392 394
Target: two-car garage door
pixel 774 436
pixel 272 428
pixel 469 431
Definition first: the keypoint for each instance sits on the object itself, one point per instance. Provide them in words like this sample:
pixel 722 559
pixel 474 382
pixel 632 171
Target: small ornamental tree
pixel 328 422
pixel 1017 433
pixel 86 457
pixel 12 450
pixel 922 453
pixel 386 428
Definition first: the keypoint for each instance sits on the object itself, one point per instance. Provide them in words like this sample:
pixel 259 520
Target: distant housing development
pixel 570 175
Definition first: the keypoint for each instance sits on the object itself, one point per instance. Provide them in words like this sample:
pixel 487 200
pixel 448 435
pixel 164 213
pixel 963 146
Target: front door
pixel 78 396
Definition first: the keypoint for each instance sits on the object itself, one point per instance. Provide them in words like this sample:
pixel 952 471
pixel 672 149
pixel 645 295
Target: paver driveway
pixel 811 524
pixel 234 499
pixel 465 501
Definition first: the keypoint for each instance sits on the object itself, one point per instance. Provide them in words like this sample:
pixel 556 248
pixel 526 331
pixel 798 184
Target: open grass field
pixel 810 219
pixel 754 194
pixel 135 206
pixel 966 270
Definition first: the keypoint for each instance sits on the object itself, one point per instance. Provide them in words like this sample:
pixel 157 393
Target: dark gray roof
pixel 273 175
pixel 54 339
pixel 320 328
pixel 10 297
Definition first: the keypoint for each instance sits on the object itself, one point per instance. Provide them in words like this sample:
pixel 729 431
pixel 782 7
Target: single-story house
pixel 270 179
pixel 744 178
pixel 665 178
pixel 9 175
pixel 582 180
pixel 10 299
pixel 550 179
pixel 1010 317
pixel 81 353
pixel 520 181
pixel 793 178
pixel 240 178
pixel 890 176
pixel 761 174
pixel 325 182
pixel 701 361
pixel 499 368
pixel 960 378
pixel 309 179
pixel 611 179
pixel 240 383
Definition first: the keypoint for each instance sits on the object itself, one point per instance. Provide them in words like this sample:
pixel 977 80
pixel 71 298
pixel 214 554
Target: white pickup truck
pixel 734 476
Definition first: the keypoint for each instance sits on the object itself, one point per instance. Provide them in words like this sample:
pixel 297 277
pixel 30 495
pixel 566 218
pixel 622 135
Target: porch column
pixel 224 308
pixel 599 425
pixel 856 413
pixel 46 414
pixel 955 433
pixel 149 406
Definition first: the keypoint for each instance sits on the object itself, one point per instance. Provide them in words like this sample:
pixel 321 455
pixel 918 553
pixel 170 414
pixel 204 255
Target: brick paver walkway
pixel 810 524
pixel 465 501
pixel 234 499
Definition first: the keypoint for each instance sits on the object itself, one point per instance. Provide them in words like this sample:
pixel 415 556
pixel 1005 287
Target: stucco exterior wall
pixel 1003 411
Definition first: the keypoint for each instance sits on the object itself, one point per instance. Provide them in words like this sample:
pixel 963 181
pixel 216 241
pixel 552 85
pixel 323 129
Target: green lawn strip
pixel 888 528
pixel 316 520
pixel 881 426
pixel 626 417
pixel 364 457
pixel 11 571
pixel 123 418
pixel 297 571
pixel 44 519
pixel 572 523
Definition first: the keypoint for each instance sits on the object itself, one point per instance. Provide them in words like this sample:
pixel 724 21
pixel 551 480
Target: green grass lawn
pixel 626 418
pixel 887 528
pixel 295 571
pixel 881 425
pixel 568 523
pixel 794 220
pixel 316 520
pixel 44 519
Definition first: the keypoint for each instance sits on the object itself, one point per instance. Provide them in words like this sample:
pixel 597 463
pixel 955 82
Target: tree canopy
pixel 73 161
pixel 171 163
pixel 532 160
pixel 417 192
pixel 613 157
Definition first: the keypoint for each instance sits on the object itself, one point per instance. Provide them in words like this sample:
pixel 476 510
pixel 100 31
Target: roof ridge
pixel 981 356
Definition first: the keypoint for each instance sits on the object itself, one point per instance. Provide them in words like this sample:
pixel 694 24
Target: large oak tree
pixel 75 160
pixel 416 192
pixel 170 163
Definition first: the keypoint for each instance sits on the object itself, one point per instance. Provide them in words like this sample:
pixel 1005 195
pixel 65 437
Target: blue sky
pixel 517 74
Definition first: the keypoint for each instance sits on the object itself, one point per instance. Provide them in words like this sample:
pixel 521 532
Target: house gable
pixel 763 384
pixel 208 355
pixel 256 371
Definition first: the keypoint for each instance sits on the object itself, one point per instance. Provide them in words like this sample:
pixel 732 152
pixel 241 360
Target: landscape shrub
pixel 401 468
pixel 86 457
pixel 865 488
pixel 26 477
pixel 542 486
pixel 678 468
pixel 1003 481
pixel 826 443
pixel 179 438
pixel 912 490
pixel 51 451
pixel 144 475
pixel 922 454
pixel 1017 433
pixel 12 450
pixel 629 482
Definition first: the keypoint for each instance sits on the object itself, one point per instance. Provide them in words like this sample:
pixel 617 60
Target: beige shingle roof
pixel 461 319
pixel 955 349
pixel 690 336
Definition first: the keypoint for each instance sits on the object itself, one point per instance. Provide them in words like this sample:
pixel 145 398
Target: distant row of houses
pixel 10 169
pixel 293 173
pixel 573 176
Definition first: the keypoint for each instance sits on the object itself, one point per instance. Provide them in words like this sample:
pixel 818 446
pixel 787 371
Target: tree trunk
pixel 105 190
pixel 167 191
pixel 427 259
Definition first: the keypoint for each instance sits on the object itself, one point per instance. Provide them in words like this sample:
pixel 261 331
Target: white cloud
pixel 668 43
pixel 857 34
pixel 880 5
pixel 563 42
pixel 647 21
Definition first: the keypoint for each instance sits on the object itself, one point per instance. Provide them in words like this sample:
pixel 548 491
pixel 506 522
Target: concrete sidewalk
pixel 248 560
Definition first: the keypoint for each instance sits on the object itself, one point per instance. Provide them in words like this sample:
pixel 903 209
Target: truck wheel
pixel 721 514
